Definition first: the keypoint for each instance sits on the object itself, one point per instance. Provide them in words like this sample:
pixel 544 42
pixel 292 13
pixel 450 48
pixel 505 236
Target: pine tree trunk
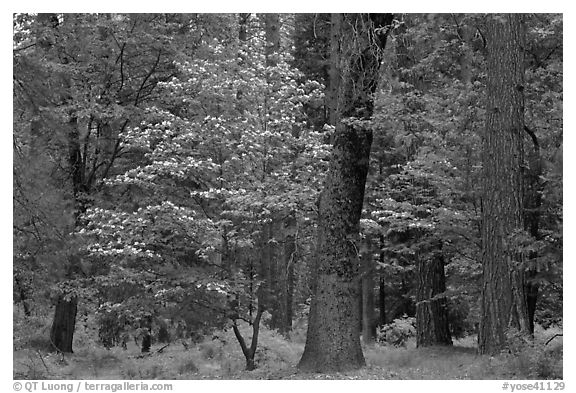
pixel 333 340
pixel 62 331
pixel 503 299
pixel 432 326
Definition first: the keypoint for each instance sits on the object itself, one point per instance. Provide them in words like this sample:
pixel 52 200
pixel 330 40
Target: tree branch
pixel 147 77
pixel 534 139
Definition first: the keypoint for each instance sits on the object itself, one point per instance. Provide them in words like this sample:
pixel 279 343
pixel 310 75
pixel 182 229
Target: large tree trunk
pixel 503 299
pixel 64 322
pixel 432 326
pixel 63 325
pixel 62 331
pixel 333 340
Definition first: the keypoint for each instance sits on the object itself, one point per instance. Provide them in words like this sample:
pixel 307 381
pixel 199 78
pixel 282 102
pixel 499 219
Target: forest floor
pixel 220 357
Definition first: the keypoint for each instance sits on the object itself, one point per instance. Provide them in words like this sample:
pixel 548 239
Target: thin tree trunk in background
pixel 35 132
pixel 272 33
pixel 242 37
pixel 243 27
pixel 382 302
pixel 382 283
pixel 311 49
pixel 467 33
pixel 368 320
pixel 334 72
pixel 284 285
pixel 146 325
pixel 532 205
pixel 267 272
pixel 333 341
pixel 290 256
pixel 275 279
pixel 280 274
pixel 503 293
pixel 432 326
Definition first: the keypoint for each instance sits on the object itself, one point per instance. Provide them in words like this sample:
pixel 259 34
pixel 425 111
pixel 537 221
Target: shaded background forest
pixel 167 169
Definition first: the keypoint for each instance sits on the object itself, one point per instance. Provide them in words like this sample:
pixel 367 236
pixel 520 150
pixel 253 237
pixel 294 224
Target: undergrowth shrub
pixel 129 372
pixel 538 357
pixel 93 362
pixel 398 332
pixel 30 366
pixel 274 352
pixel 390 358
pixel 31 332
pixel 110 331
pixel 154 371
pixel 211 349
pixel 187 367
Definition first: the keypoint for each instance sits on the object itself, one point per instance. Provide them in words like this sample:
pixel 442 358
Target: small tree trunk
pixel 382 302
pixel 368 321
pixel 283 289
pixel 531 289
pixel 250 364
pixel 243 26
pixel 249 352
pixel 23 296
pixel 368 325
pixel 163 333
pixel 532 206
pixel 290 256
pixel 147 337
pixel 63 325
pixel 146 342
pixel 382 286
pixel 272 32
pixel 432 326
